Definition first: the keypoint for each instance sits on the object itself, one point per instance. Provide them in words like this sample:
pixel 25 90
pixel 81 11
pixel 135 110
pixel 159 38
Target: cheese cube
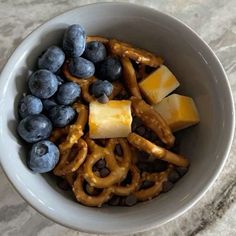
pixel 110 120
pixel 158 84
pixel 179 111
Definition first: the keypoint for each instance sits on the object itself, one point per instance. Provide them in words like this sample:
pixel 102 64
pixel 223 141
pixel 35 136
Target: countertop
pixel 215 22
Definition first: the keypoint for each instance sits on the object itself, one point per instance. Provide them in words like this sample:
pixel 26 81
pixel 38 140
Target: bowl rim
pixel 195 198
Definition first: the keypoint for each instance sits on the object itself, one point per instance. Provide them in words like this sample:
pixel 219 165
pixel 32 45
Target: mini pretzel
pixel 156 151
pixel 97 38
pixel 158 180
pixel 86 199
pixel 73 139
pixel 153 120
pixel 130 77
pixel 85 84
pixel 127 190
pixel 118 170
pixel 139 55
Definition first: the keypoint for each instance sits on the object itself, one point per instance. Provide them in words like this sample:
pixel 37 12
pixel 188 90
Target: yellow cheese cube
pixel 110 120
pixel 179 111
pixel 158 84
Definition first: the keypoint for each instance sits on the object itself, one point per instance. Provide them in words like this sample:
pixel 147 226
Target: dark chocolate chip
pixel 104 172
pixel 103 99
pixel 101 164
pixel 146 184
pixel 130 200
pixel 118 150
pixel 141 130
pixel 136 123
pixel 95 168
pixel 144 166
pixel 159 165
pixel 174 176
pixel 114 201
pixel 167 186
pixel 182 170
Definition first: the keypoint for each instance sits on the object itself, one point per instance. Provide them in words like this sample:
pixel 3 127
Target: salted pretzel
pixel 97 38
pixel 139 55
pixel 129 77
pixel 73 140
pixel 153 120
pixel 85 84
pixel 161 153
pixel 158 179
pixel 118 169
pixel 126 190
pixel 87 199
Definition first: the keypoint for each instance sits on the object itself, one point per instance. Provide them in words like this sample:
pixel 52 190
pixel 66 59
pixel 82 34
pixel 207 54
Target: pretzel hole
pixel 73 152
pixel 99 165
pixel 101 142
pixel 92 191
pixel 119 150
pixel 127 180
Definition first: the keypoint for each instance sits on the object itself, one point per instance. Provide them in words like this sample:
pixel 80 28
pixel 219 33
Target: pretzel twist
pixel 153 120
pixel 139 55
pixel 156 151
pixel 118 170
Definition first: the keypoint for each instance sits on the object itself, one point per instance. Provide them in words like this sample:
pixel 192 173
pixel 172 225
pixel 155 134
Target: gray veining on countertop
pixel 215 22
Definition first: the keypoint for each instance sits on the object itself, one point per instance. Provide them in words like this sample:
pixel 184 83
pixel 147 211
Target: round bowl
pixel 201 76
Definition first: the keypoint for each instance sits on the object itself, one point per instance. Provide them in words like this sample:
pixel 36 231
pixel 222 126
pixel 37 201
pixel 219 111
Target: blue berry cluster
pixel 48 102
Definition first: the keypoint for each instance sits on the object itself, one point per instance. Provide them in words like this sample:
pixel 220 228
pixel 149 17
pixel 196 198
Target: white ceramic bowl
pixel 201 76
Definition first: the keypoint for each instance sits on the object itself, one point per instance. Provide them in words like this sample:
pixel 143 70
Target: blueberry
pixel 48 104
pixel 74 41
pixel 43 83
pixel 61 115
pixel 109 69
pixel 34 128
pixel 52 59
pixel 43 156
pixel 95 51
pixel 60 80
pixel 29 105
pixel 68 93
pixel 100 87
pixel 103 99
pixel 81 67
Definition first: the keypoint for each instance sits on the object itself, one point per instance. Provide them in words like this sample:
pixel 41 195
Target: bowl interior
pixel 200 76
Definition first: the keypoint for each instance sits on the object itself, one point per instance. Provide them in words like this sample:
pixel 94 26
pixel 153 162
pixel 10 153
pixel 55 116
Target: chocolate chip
pixel 63 184
pixel 141 130
pixel 103 99
pixel 159 165
pixel 153 136
pixel 174 176
pixel 143 155
pixel 95 168
pixel 167 186
pixel 101 164
pixel 136 123
pixel 118 150
pixel 182 170
pixel 146 184
pixel 130 200
pixel 114 201
pixel 144 166
pixel 104 172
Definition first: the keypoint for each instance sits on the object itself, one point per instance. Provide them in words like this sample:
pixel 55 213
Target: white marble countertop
pixel 215 22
